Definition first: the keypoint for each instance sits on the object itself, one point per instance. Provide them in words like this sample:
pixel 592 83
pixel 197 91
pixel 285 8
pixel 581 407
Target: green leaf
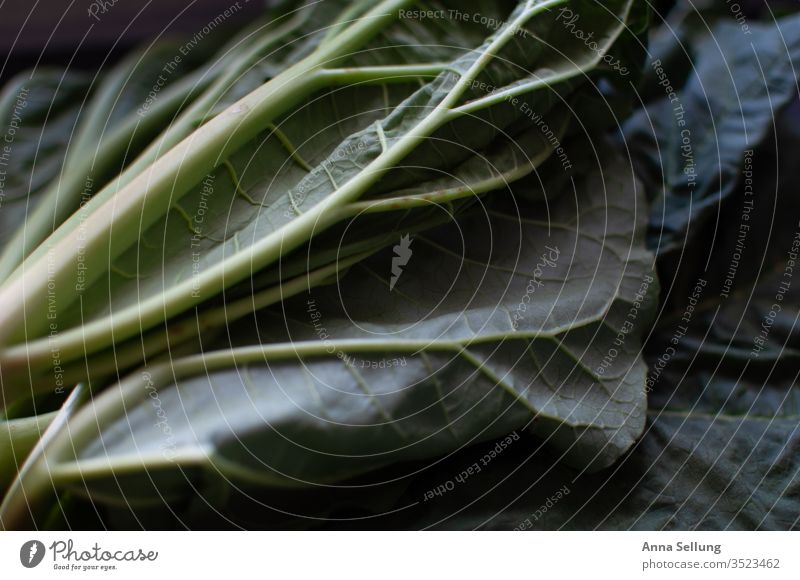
pixel 17 438
pixel 272 205
pixel 31 493
pixel 469 361
pixel 720 450
pixel 690 146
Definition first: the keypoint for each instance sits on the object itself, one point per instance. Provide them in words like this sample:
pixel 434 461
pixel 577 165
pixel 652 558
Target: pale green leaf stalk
pixel 17 438
pixel 31 485
pixel 86 160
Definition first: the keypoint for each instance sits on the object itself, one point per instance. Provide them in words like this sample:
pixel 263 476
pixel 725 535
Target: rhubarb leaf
pixel 453 354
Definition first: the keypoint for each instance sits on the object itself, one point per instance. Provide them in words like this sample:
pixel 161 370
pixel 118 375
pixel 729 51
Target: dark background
pixel 62 32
